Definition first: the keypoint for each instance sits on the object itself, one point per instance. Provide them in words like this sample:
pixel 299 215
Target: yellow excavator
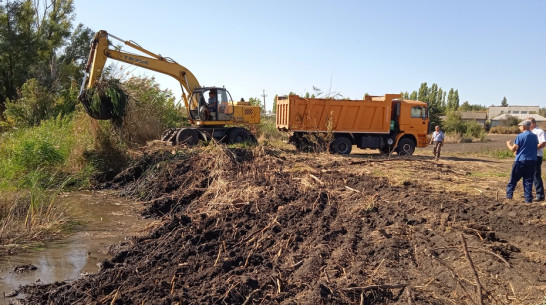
pixel 211 110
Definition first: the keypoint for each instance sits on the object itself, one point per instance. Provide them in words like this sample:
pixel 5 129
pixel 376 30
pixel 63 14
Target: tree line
pixel 41 60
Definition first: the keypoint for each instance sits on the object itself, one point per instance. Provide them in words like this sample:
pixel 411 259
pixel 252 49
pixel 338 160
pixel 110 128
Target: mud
pixel 265 226
pixel 100 219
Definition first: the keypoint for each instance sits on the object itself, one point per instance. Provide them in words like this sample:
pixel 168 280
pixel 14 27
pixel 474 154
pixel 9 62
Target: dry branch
pixel 250 296
pixel 316 179
pixel 480 295
pixel 352 189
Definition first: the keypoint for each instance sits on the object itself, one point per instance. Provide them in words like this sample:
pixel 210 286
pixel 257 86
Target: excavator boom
pixel 100 52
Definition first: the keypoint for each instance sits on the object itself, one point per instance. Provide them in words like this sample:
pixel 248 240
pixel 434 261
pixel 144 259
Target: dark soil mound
pixel 265 227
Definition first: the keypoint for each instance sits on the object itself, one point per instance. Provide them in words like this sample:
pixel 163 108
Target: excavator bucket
pixel 105 101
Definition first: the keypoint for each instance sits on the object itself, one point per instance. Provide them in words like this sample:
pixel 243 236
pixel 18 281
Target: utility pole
pixel 264 95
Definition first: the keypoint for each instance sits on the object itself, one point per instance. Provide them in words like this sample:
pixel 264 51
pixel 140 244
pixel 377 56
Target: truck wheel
pixel 405 147
pixel 239 135
pixel 387 149
pixel 298 141
pixel 187 136
pixel 341 145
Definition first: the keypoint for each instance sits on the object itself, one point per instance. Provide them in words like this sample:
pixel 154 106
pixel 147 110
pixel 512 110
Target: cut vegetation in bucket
pixel 105 101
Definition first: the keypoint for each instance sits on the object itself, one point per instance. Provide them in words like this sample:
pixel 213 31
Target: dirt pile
pixel 271 227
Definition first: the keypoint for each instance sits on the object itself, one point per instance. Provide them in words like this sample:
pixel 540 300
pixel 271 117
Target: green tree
pixel 504 102
pixel 31 35
pixel 254 101
pixel 71 62
pixel 434 98
pixel 35 105
pixel 453 100
pixel 454 124
pixel 17 49
pixel 466 106
pixel 423 92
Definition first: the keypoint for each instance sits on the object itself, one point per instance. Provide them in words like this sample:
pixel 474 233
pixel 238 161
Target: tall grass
pixel 36 163
pixel 45 153
pixel 73 151
pixel 266 132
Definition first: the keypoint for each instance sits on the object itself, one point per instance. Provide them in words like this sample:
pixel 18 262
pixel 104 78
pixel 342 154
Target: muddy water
pixel 105 220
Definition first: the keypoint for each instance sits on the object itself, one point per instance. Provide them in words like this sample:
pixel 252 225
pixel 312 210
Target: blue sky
pixel 485 49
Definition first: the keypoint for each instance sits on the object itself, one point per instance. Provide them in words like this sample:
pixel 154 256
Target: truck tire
pixel 387 149
pixel 298 141
pixel 341 145
pixel 187 136
pixel 405 147
pixel 239 135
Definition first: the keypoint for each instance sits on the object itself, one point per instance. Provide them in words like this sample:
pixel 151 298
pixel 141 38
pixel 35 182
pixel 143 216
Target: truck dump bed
pixel 371 115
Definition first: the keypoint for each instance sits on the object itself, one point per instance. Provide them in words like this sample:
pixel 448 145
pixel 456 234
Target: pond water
pixel 106 220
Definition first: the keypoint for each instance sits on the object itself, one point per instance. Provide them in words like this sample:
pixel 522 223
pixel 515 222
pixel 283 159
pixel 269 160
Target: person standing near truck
pixel 438 141
pixel 537 176
pixel 525 147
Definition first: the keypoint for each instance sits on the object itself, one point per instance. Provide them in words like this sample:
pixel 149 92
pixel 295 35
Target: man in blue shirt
pixel 525 147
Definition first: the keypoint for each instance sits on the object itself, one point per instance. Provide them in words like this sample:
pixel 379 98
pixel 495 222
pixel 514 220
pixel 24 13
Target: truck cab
pixel 411 121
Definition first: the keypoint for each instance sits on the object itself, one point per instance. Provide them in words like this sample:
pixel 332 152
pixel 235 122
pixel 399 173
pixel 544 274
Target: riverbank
pixel 105 224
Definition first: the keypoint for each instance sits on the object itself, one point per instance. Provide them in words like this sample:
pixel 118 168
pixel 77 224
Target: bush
pixel 267 131
pixel 34 105
pixel 150 111
pixel 454 124
pixel 475 130
pixel 48 149
pixel 466 131
pixel 504 130
pixel 512 120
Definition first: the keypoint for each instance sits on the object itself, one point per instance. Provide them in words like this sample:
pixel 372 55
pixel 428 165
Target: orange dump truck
pixel 385 122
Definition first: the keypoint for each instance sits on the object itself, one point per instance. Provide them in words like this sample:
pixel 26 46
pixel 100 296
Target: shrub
pixel 267 132
pixel 150 111
pixel 34 105
pixel 47 148
pixel 466 131
pixel 504 130
pixel 475 130
pixel 453 123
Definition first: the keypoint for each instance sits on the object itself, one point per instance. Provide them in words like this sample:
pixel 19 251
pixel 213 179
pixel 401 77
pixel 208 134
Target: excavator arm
pixel 100 52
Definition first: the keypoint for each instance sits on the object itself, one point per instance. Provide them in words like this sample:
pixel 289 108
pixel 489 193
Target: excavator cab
pixel 211 104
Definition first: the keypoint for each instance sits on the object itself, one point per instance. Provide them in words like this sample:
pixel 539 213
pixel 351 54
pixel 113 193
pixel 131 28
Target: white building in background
pixel 502 119
pixel 495 111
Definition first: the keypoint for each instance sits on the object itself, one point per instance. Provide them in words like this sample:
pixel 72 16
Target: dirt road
pixel 266 226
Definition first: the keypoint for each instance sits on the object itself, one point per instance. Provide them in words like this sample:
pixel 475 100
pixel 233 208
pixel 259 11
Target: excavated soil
pixel 264 226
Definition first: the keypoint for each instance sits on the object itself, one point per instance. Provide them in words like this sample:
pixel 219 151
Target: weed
pixel 34 215
pixel 371 205
pixel 498 153
pixel 47 148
